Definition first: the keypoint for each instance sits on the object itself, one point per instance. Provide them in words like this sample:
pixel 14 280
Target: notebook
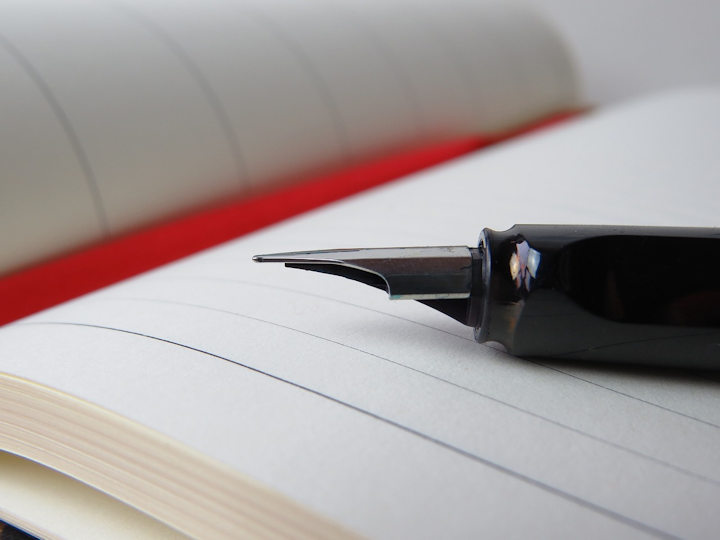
pixel 222 398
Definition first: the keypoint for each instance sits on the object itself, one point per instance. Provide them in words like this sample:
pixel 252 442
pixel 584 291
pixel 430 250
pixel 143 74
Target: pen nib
pixel 416 273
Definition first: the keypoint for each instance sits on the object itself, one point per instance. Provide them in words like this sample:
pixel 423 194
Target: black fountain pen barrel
pixel 624 294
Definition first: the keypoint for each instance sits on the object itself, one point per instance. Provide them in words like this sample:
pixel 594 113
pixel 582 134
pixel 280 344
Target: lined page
pixel 117 114
pixel 386 416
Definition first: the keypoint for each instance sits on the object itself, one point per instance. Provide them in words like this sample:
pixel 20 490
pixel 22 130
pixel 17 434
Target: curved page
pixel 119 114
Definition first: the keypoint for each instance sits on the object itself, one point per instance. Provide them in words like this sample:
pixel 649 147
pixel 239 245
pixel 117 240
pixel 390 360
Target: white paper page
pixel 118 114
pixel 50 505
pixel 386 416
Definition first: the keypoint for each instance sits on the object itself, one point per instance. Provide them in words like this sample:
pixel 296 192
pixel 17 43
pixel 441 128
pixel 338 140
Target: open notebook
pixel 221 398
pixel 225 397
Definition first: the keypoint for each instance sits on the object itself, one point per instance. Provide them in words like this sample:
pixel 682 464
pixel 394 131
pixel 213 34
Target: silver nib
pixel 414 273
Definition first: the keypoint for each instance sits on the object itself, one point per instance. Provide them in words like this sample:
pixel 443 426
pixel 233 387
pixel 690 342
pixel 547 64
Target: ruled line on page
pixel 611 514
pixel 311 295
pixel 67 127
pixel 577 431
pixel 196 74
pixel 304 60
pixel 530 360
pixel 355 18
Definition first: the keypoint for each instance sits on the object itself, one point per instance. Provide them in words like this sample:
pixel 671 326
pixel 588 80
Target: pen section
pixel 625 294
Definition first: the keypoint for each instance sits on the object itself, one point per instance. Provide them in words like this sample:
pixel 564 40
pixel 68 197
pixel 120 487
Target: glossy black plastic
pixel 646 295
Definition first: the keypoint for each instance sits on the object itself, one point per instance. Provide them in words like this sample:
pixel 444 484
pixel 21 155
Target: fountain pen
pixel 639 295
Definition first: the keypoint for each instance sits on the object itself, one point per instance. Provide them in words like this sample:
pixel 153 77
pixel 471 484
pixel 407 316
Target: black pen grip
pixel 625 294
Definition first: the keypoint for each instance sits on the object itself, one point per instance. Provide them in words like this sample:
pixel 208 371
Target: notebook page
pixel 58 501
pixel 120 114
pixel 386 416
